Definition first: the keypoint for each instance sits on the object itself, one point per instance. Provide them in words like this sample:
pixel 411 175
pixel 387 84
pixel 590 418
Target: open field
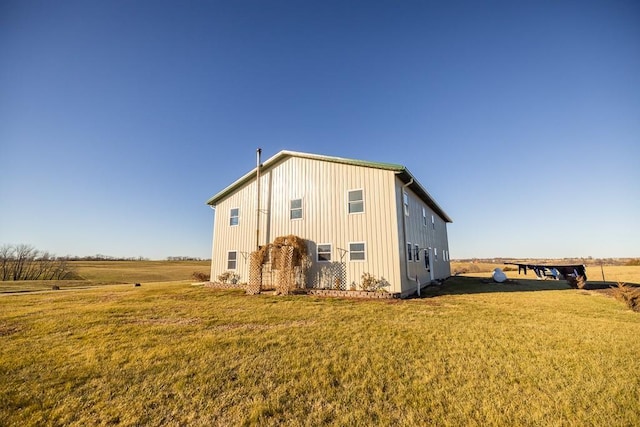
pixel 94 273
pixel 612 273
pixel 533 353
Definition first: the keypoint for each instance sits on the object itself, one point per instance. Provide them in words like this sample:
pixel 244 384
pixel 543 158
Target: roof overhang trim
pixel 401 172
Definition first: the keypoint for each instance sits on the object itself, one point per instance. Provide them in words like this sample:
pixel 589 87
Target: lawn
pixel 533 353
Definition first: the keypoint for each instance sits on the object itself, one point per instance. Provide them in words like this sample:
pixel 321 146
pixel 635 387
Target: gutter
pixel 404 236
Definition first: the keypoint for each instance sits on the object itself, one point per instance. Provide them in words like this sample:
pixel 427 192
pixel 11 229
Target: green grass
pixel 177 354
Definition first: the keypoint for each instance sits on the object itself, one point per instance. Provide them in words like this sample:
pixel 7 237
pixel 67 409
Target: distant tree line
pixel 24 262
pixel 183 258
pixel 100 257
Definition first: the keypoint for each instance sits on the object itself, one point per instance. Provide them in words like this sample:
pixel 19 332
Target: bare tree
pixel 24 262
pixel 6 259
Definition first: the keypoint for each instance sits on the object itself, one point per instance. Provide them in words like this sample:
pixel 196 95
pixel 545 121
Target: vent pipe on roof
pixel 258 153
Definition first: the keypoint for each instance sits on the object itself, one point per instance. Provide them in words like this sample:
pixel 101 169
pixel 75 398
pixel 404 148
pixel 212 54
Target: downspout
pixel 404 231
pixel 258 152
pixel 213 208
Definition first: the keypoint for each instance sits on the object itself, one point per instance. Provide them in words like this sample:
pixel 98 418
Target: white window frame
pixel 292 209
pixel 409 251
pixel 231 217
pixel 416 253
pixel 424 216
pixel 433 222
pixel 435 254
pixel 355 201
pixel 235 261
pixel 363 252
pixel 330 252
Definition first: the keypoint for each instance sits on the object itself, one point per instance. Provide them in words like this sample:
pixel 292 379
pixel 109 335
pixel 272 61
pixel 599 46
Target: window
pixel 357 252
pixel 435 254
pixel 424 217
pixel 416 249
pixel 409 252
pixel 232 260
pixel 295 209
pixel 426 259
pixel 405 201
pixel 356 201
pixel 324 252
pixel 433 222
pixel 234 216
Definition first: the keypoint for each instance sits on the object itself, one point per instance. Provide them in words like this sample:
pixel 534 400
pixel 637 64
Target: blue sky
pixel 119 119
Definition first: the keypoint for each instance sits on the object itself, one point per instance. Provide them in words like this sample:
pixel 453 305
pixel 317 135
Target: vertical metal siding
pixel 423 236
pixel 323 188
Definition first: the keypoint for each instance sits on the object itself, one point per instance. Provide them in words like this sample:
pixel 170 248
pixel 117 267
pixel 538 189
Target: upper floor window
pixel 424 217
pixel 435 253
pixel 232 260
pixel 356 201
pixel 324 252
pixel 234 216
pixel 433 222
pixel 295 209
pixel 357 251
pixel 405 202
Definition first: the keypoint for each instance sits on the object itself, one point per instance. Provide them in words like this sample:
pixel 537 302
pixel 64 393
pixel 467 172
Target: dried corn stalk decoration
pixel 290 260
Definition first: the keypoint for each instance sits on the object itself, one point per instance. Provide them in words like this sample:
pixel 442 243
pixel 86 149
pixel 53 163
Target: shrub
pixel 628 295
pixel 371 283
pixel 228 277
pixel 577 282
pixel 200 276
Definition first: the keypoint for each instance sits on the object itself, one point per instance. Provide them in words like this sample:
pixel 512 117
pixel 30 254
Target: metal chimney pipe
pixel 258 153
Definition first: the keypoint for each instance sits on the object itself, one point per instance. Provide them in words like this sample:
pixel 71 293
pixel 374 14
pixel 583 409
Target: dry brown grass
pixel 630 295
pixel 177 354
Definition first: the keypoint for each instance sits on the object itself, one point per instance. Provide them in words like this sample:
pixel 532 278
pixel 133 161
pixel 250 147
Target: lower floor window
pixel 232 260
pixel 324 252
pixel 357 251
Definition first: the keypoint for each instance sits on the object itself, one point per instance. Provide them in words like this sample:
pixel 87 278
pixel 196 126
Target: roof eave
pixel 285 154
pixel 406 177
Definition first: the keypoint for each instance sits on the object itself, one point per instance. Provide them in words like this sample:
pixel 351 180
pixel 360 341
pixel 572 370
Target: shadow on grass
pixel 459 285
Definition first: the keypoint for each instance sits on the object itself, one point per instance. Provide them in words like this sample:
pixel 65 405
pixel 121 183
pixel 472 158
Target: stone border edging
pixel 318 292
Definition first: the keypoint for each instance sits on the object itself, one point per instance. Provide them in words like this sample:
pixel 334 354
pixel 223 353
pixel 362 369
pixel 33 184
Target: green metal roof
pixel 402 173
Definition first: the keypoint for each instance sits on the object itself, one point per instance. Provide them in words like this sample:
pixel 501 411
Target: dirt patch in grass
pixel 7 329
pixel 168 321
pixel 263 326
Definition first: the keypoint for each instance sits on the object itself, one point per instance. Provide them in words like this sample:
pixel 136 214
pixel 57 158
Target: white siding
pixel 323 188
pixel 426 237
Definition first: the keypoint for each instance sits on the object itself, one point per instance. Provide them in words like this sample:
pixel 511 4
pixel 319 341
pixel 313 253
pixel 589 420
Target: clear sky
pixel 119 119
